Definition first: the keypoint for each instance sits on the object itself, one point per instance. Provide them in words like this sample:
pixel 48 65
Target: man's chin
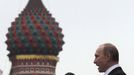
pixel 100 70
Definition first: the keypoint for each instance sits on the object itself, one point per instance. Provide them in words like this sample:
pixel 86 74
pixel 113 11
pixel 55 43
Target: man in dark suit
pixel 107 58
pixel 69 73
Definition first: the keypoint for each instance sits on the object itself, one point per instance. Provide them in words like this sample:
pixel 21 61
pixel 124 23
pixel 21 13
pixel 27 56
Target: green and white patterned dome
pixel 35 31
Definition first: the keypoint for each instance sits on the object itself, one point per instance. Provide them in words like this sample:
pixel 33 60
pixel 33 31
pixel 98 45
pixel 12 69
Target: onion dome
pixel 35 31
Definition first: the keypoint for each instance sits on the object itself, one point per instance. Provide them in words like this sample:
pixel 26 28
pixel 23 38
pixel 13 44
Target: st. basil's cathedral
pixel 34 41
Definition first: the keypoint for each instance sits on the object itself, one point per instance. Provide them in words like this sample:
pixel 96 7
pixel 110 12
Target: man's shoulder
pixel 117 71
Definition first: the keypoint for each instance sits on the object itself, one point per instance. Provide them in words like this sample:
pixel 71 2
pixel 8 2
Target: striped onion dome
pixel 34 32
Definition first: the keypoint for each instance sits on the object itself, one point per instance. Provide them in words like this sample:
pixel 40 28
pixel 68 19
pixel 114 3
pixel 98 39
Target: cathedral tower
pixel 34 41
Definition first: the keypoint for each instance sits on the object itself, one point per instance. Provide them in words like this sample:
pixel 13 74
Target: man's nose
pixel 94 61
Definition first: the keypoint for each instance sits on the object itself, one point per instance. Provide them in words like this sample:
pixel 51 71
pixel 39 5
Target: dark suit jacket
pixel 117 71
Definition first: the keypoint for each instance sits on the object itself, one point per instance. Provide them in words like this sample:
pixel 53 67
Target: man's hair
pixel 69 73
pixel 110 49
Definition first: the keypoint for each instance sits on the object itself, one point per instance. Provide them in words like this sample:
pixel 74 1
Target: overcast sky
pixel 86 24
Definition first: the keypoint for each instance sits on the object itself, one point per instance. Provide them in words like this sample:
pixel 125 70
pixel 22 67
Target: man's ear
pixel 108 57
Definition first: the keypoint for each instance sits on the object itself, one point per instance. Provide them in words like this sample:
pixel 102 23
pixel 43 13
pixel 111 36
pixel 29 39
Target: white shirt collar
pixel 111 68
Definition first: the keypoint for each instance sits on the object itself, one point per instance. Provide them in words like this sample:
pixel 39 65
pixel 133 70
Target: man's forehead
pixel 100 49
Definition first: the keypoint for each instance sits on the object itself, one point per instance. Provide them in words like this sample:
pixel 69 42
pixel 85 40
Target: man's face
pixel 100 59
